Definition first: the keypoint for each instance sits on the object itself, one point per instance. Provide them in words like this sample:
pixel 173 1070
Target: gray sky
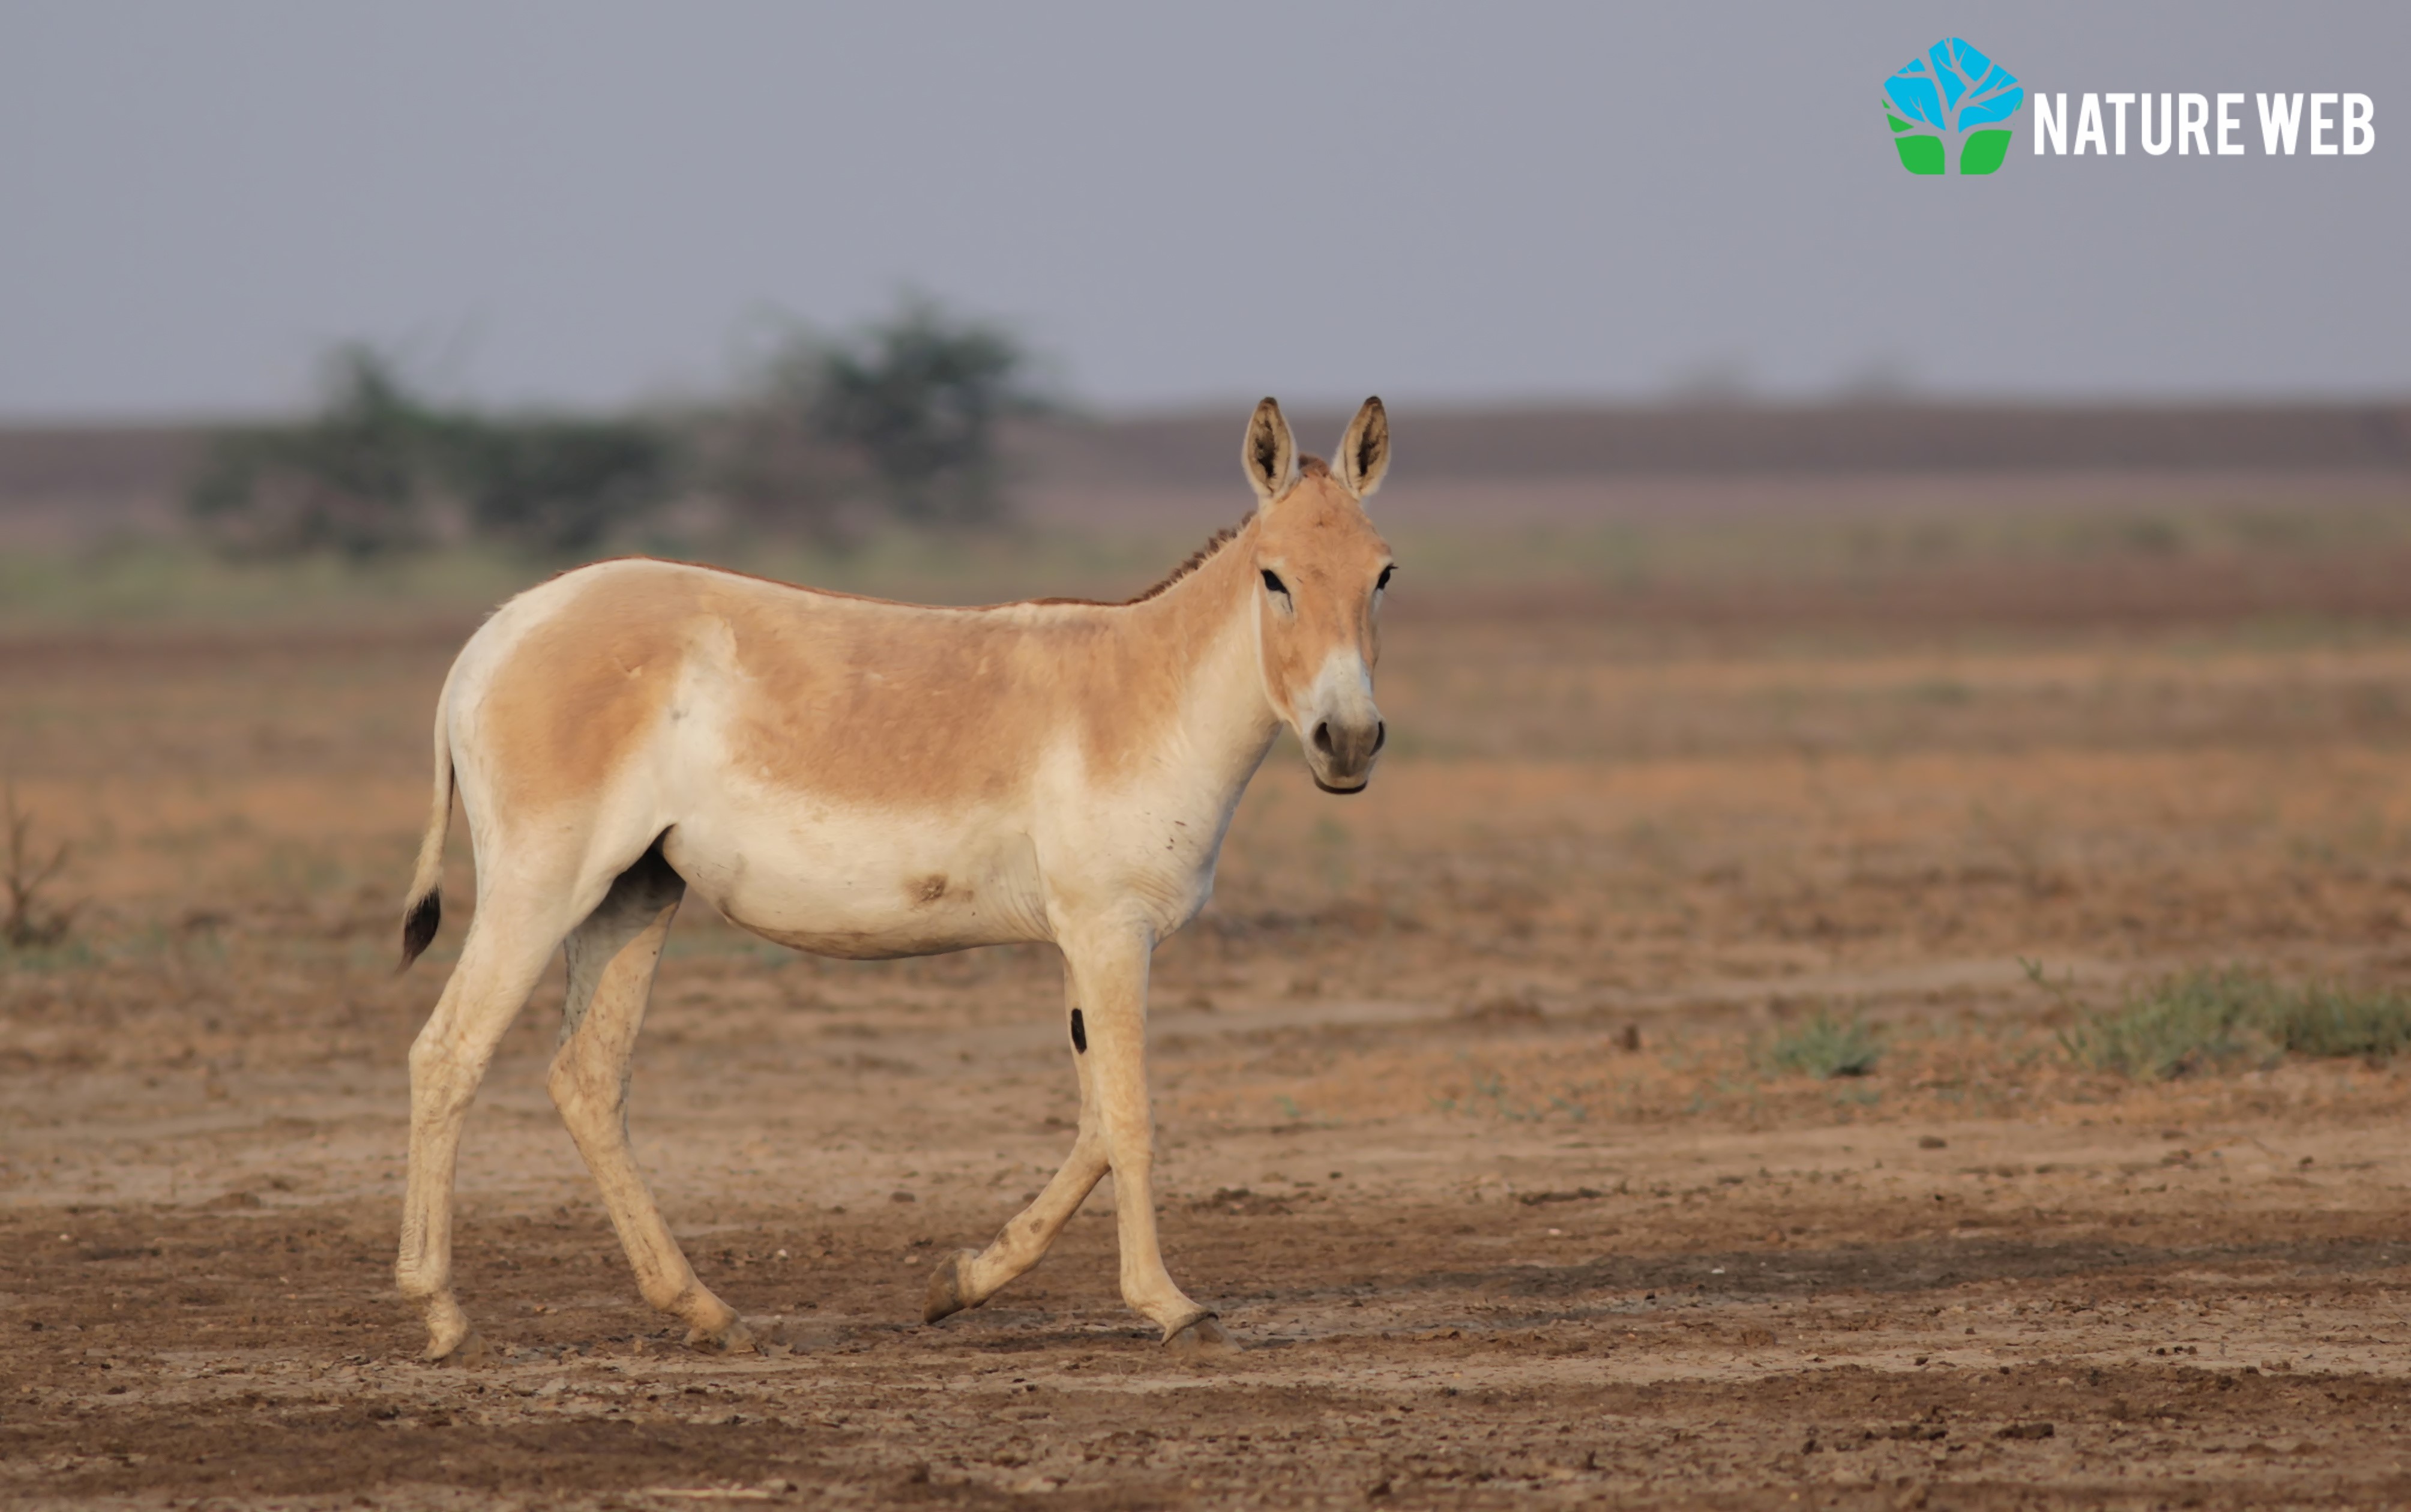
pixel 597 201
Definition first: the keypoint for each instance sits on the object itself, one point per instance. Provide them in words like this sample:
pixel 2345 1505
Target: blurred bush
pixel 353 479
pixel 379 465
pixel 30 915
pixel 830 435
pixel 557 486
pixel 900 415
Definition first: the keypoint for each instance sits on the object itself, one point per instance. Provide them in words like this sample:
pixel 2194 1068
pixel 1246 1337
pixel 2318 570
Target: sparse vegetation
pixel 2216 1019
pixel 2329 1020
pixel 34 918
pixel 1824 1047
pixel 2200 1021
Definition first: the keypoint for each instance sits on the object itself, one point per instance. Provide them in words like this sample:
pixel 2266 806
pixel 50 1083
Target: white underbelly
pixel 861 884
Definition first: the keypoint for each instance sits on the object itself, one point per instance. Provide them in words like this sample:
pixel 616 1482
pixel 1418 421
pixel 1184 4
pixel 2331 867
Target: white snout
pixel 1339 725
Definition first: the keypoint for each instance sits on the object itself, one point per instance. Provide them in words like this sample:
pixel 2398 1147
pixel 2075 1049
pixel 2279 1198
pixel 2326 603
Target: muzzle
pixel 1347 749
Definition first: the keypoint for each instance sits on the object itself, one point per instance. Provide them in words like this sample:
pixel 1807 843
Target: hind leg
pixel 967 1278
pixel 612 957
pixel 506 950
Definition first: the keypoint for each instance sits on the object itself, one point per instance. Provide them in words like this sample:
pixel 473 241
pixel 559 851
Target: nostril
pixel 1323 737
pixel 1380 737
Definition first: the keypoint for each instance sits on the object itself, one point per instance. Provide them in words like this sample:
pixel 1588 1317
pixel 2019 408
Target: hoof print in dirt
pixel 1201 1340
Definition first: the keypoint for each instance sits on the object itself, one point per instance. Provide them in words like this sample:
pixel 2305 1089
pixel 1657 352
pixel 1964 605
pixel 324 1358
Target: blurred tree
pixel 770 461
pixel 557 486
pixel 351 480
pixel 362 475
pixel 920 394
pixel 904 410
pixel 900 418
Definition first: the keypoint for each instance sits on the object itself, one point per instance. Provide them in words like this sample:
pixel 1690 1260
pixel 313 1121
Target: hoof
pixel 449 1332
pixel 1199 1337
pixel 736 1339
pixel 946 1295
pixel 468 1349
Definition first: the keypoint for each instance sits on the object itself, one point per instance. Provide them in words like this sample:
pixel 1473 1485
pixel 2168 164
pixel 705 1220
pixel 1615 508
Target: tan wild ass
pixel 867 779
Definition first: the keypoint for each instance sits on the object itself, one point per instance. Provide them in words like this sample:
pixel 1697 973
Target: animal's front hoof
pixel 469 1348
pixel 1199 1337
pixel 946 1295
pixel 736 1339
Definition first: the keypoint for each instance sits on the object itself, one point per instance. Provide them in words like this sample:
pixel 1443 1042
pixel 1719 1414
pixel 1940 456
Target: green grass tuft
pixel 1824 1047
pixel 2373 1023
pixel 2207 1021
pixel 2203 1021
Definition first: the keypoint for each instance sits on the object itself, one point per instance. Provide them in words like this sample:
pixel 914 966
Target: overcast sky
pixel 599 201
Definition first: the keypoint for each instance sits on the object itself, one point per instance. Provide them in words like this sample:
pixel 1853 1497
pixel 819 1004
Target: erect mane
pixel 1196 559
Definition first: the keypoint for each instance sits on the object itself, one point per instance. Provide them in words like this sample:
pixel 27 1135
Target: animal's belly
pixel 862 887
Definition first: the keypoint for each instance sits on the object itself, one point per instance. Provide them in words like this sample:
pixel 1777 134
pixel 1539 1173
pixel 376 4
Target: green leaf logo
pixel 1951 105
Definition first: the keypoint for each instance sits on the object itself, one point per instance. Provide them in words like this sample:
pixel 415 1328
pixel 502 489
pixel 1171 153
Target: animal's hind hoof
pixel 736 1339
pixel 1199 1337
pixel 945 1297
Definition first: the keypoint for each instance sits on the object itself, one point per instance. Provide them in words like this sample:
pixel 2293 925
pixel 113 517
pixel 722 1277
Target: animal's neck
pixel 1203 626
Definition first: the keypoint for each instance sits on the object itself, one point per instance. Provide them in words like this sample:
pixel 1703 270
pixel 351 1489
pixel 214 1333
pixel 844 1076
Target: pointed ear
pixel 1270 452
pixel 1365 451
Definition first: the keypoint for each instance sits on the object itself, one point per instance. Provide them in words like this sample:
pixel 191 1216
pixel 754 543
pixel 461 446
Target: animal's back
pixel 864 701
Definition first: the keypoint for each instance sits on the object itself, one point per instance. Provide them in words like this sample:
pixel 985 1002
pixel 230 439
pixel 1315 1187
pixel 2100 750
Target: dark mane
pixel 1196 559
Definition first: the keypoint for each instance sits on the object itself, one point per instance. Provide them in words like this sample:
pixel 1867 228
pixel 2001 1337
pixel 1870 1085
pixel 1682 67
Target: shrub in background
pixel 29 916
pixel 1824 1047
pixel 557 487
pixel 900 415
pixel 353 479
pixel 897 420
pixel 2212 1020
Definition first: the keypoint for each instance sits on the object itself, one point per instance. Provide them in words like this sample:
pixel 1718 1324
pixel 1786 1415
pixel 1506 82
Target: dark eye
pixel 1274 584
pixel 1383 581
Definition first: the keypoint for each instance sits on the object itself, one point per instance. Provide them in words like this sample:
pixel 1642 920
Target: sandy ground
pixel 1469 1128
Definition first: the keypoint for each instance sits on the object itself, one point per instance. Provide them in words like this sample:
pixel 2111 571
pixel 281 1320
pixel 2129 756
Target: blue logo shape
pixel 1951 109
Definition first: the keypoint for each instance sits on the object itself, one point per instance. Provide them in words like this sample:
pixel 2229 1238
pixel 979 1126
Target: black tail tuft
pixel 418 928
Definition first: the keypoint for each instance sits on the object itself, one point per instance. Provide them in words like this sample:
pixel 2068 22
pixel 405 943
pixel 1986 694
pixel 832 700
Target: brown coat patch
pixel 583 686
pixel 855 700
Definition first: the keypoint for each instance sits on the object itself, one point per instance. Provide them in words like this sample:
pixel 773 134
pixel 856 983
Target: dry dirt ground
pixel 1469 1129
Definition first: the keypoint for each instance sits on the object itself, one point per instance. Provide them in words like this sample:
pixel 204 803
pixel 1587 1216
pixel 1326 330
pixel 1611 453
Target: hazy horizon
pixel 599 204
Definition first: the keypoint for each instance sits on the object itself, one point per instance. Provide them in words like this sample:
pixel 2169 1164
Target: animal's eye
pixel 1383 581
pixel 1274 584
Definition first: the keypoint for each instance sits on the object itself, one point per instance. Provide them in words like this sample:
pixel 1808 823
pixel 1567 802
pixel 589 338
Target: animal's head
pixel 1320 568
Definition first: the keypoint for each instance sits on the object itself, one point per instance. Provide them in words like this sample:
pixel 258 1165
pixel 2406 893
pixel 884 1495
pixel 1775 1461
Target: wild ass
pixel 865 779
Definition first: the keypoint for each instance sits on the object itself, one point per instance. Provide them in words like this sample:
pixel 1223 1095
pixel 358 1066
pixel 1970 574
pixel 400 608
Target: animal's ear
pixel 1365 451
pixel 1270 452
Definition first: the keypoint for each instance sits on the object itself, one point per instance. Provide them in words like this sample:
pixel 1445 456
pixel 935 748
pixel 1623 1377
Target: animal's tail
pixel 424 912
